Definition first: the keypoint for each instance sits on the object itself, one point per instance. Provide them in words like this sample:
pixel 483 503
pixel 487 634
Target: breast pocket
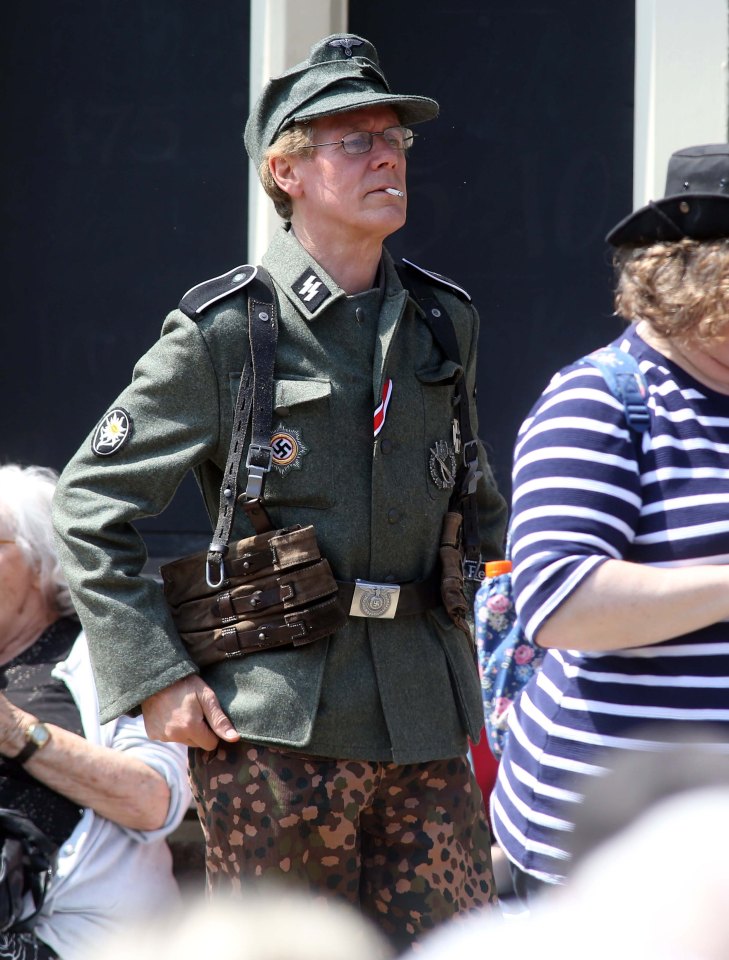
pixel 302 471
pixel 438 392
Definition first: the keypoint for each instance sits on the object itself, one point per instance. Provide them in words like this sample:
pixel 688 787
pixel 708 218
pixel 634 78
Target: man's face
pixel 344 193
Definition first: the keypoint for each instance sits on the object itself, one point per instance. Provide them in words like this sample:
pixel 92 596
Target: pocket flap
pixel 289 393
pixel 447 372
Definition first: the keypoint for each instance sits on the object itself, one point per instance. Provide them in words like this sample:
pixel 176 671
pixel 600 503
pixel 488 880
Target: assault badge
pixel 287 449
pixel 112 433
pixel 442 465
pixel 374 600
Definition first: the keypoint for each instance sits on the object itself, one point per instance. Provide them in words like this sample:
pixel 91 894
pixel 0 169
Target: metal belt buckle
pixel 374 600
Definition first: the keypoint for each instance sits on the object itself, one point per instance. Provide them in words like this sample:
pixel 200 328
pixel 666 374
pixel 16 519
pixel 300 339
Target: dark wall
pixel 124 183
pixel 513 188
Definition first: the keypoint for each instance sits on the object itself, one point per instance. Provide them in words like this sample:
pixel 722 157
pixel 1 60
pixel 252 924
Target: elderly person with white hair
pixel 105 796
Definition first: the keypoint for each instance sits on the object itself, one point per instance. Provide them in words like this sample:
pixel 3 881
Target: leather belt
pixel 384 601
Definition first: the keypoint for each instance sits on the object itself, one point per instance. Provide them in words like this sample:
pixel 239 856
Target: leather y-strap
pixel 444 333
pixel 254 403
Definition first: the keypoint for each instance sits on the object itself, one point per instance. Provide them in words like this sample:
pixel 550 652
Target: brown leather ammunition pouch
pixel 451 563
pixel 277 590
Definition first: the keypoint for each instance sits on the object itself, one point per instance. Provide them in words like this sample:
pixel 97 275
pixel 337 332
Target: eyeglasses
pixel 399 138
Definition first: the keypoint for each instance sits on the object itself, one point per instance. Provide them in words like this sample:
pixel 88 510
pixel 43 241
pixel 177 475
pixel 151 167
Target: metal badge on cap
pixel 346 44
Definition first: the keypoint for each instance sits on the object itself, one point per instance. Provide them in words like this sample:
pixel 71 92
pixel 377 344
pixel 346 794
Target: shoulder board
pixel 201 296
pixel 438 279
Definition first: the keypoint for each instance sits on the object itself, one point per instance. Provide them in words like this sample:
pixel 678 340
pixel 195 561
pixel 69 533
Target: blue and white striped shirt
pixel 586 489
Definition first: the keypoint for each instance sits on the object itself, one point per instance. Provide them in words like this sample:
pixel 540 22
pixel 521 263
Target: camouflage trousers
pixel 410 845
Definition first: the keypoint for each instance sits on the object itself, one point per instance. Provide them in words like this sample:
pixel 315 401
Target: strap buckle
pixel 257 471
pixel 472 474
pixel 374 600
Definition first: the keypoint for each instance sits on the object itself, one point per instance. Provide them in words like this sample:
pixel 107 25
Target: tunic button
pixel 393 515
pixel 386 445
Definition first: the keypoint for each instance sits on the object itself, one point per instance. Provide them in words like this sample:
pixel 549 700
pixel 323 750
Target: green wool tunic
pixel 403 690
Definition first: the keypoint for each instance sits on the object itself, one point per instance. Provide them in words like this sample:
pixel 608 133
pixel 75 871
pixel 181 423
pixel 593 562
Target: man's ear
pixel 284 171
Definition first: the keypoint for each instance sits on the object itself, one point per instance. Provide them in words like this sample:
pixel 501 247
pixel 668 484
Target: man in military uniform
pixel 341 764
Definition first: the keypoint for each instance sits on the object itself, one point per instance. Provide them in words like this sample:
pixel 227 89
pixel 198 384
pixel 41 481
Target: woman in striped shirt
pixel 620 540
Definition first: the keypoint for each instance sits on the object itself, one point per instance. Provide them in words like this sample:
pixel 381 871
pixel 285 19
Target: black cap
pixel 695 205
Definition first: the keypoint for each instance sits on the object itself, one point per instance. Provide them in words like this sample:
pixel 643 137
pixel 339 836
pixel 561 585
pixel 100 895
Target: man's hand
pixel 187 712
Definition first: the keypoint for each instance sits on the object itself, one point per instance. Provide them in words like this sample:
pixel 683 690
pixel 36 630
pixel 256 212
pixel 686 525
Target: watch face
pixel 38 734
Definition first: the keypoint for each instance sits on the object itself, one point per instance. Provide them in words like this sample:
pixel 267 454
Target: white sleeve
pixel 168 759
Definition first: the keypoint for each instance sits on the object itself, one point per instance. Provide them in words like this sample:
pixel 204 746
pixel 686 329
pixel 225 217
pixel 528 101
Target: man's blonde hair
pixel 294 141
pixel 681 289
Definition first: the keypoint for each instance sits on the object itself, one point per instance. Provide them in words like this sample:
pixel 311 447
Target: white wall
pixel 680 84
pixel 282 33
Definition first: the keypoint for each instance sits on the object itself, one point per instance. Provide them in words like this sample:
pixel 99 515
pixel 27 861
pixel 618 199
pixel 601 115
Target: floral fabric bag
pixel 506 659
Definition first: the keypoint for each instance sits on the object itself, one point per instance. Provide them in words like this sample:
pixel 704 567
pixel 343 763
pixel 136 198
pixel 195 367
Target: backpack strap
pixel 626 382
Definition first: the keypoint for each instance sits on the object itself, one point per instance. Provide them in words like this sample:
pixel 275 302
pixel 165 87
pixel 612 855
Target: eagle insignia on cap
pixel 346 43
pixel 112 433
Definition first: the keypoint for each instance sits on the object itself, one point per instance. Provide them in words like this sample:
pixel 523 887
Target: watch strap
pixel 31 746
pixel 26 753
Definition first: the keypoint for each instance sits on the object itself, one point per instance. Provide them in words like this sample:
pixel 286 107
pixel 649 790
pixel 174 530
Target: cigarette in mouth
pixel 393 192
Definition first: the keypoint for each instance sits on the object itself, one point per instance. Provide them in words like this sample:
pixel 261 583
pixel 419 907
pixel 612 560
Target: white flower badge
pixel 112 433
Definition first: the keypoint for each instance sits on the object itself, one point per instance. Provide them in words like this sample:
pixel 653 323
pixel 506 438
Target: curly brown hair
pixel 294 141
pixel 681 289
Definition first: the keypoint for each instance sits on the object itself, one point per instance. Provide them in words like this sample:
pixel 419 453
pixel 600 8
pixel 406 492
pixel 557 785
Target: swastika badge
pixel 287 449
pixel 112 433
pixel 311 290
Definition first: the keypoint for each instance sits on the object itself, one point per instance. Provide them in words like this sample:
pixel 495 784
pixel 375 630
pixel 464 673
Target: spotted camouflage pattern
pixel 409 844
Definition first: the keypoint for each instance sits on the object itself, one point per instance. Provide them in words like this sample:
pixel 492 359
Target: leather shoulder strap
pixel 467 477
pixel 254 403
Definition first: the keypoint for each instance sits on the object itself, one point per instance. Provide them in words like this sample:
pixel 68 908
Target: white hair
pixel 25 515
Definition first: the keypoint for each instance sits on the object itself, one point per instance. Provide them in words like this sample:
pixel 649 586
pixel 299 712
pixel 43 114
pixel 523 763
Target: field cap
pixel 342 73
pixel 695 205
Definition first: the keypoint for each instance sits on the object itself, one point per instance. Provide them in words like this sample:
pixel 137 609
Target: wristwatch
pixel 37 735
